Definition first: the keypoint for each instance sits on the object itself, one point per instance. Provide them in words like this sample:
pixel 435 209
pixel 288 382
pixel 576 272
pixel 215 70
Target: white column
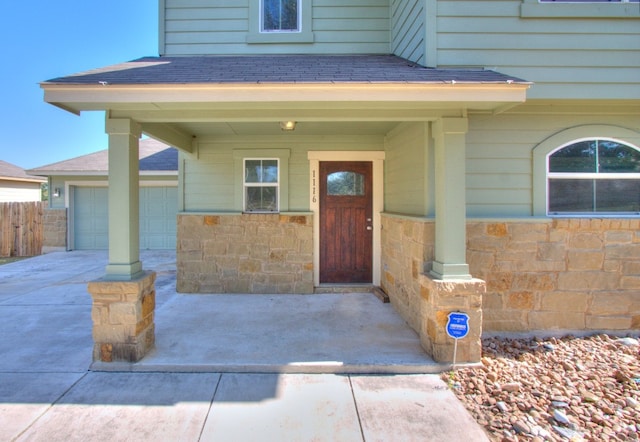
pixel 124 230
pixel 450 248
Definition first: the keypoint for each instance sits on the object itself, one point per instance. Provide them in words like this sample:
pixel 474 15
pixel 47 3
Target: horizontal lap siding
pixel 407 29
pixel 209 180
pixel 563 57
pixel 198 27
pixel 404 170
pixel 499 158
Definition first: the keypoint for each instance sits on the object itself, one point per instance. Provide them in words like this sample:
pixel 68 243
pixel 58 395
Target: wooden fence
pixel 21 229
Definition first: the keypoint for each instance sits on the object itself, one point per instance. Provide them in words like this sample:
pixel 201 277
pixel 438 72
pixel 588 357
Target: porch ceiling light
pixel 288 125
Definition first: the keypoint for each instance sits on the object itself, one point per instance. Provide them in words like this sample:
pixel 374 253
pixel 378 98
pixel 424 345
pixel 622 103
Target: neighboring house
pixel 78 199
pixel 18 186
pixel 476 156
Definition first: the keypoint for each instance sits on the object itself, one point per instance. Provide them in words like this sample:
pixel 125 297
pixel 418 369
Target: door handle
pixel 369 228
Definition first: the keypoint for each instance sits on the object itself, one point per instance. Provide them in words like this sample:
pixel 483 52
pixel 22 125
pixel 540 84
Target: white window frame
pixel 282 155
pixel 298 20
pixel 246 185
pixel 304 34
pixel 598 176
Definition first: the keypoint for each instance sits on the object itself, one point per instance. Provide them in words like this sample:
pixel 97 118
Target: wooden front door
pixel 346 222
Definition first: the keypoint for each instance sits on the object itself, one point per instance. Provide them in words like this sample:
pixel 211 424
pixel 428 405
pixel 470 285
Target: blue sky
pixel 43 40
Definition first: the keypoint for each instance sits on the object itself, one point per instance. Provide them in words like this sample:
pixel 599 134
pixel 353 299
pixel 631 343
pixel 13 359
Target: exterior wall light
pixel 56 192
pixel 288 125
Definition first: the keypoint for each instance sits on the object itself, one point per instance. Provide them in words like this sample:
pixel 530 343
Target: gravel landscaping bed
pixel 554 389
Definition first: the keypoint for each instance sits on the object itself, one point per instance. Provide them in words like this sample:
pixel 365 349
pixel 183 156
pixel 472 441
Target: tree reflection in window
pixel 345 184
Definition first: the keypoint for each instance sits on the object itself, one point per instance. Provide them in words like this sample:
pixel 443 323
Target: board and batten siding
pixel 499 154
pixel 408 30
pixel 209 180
pixel 582 57
pixel 220 27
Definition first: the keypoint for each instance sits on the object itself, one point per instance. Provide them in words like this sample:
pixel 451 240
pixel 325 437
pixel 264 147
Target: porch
pixel 319 333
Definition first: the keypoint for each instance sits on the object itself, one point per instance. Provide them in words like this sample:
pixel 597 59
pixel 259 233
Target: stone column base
pixel 123 318
pixel 438 299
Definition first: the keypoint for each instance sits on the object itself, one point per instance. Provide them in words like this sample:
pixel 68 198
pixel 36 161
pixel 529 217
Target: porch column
pixel 450 229
pixel 124 299
pixel 124 230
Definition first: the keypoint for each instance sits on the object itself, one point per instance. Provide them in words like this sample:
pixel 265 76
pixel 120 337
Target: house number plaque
pixel 314 195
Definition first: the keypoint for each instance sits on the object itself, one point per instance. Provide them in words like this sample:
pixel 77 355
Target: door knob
pixel 369 228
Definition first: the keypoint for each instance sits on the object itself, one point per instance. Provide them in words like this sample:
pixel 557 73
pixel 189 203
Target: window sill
pixel 580 10
pixel 280 37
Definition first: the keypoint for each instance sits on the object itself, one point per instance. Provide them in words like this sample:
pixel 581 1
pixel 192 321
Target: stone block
pixel 534 281
pixel 544 320
pixel 564 301
pixel 584 281
pixel 504 321
pixel 520 300
pixel 620 237
pixel 608 322
pixel 586 240
pixel 551 252
pixel 630 283
pixel 607 304
pixel 581 260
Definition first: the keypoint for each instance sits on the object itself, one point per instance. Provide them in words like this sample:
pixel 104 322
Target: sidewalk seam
pixel 355 405
pixel 213 398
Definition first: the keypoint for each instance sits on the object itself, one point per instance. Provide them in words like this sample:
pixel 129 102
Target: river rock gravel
pixel 554 389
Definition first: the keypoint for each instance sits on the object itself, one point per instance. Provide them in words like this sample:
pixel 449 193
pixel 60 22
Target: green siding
pixel 198 27
pixel 209 178
pixel 407 187
pixel 408 29
pixel 499 158
pixel 586 57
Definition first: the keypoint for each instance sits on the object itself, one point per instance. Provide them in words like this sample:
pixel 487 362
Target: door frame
pixel 375 157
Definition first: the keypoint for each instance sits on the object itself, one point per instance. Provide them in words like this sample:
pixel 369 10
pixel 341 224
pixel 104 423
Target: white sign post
pixel 457 328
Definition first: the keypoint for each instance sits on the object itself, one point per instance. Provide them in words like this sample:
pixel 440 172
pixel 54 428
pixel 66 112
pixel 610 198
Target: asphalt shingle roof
pixel 13 172
pixel 154 156
pixel 279 69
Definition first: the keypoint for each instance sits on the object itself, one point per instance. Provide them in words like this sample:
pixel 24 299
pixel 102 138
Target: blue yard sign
pixel 458 325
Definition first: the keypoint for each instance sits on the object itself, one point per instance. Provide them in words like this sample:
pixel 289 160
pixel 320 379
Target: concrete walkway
pixel 225 367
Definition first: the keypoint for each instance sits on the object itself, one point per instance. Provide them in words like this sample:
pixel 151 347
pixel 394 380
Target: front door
pixel 346 226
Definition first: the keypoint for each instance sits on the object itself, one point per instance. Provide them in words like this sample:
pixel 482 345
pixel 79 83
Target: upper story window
pixel 594 176
pixel 280 15
pixel 280 21
pixel 261 185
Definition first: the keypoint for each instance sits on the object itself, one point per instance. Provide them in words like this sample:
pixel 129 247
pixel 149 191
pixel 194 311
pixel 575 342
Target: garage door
pixel 158 209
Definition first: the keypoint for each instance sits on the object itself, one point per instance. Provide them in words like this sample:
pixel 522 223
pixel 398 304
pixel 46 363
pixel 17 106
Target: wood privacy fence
pixel 21 229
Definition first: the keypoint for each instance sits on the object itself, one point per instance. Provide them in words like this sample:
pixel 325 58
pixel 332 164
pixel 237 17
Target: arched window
pixel 593 176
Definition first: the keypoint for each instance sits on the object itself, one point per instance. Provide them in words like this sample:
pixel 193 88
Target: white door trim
pixel 377 159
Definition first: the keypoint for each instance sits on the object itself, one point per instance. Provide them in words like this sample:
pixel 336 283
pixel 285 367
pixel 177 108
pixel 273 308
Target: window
pixel 594 176
pixel 280 15
pixel 345 184
pixel 261 185
pixel 280 21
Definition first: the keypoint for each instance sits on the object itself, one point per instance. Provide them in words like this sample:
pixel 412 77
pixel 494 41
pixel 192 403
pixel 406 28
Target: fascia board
pixel 90 97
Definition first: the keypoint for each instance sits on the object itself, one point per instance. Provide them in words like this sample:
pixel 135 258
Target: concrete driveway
pixel 225 367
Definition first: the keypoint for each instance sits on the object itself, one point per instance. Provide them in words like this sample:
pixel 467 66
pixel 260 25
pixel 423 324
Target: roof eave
pixel 76 98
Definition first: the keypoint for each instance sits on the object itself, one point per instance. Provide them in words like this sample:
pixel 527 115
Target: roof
pixel 155 158
pixel 11 172
pixel 278 69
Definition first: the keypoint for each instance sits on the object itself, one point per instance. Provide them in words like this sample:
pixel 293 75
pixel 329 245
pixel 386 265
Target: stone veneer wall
pixel 559 274
pixel 54 222
pixel 540 275
pixel 245 253
pixel 425 303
